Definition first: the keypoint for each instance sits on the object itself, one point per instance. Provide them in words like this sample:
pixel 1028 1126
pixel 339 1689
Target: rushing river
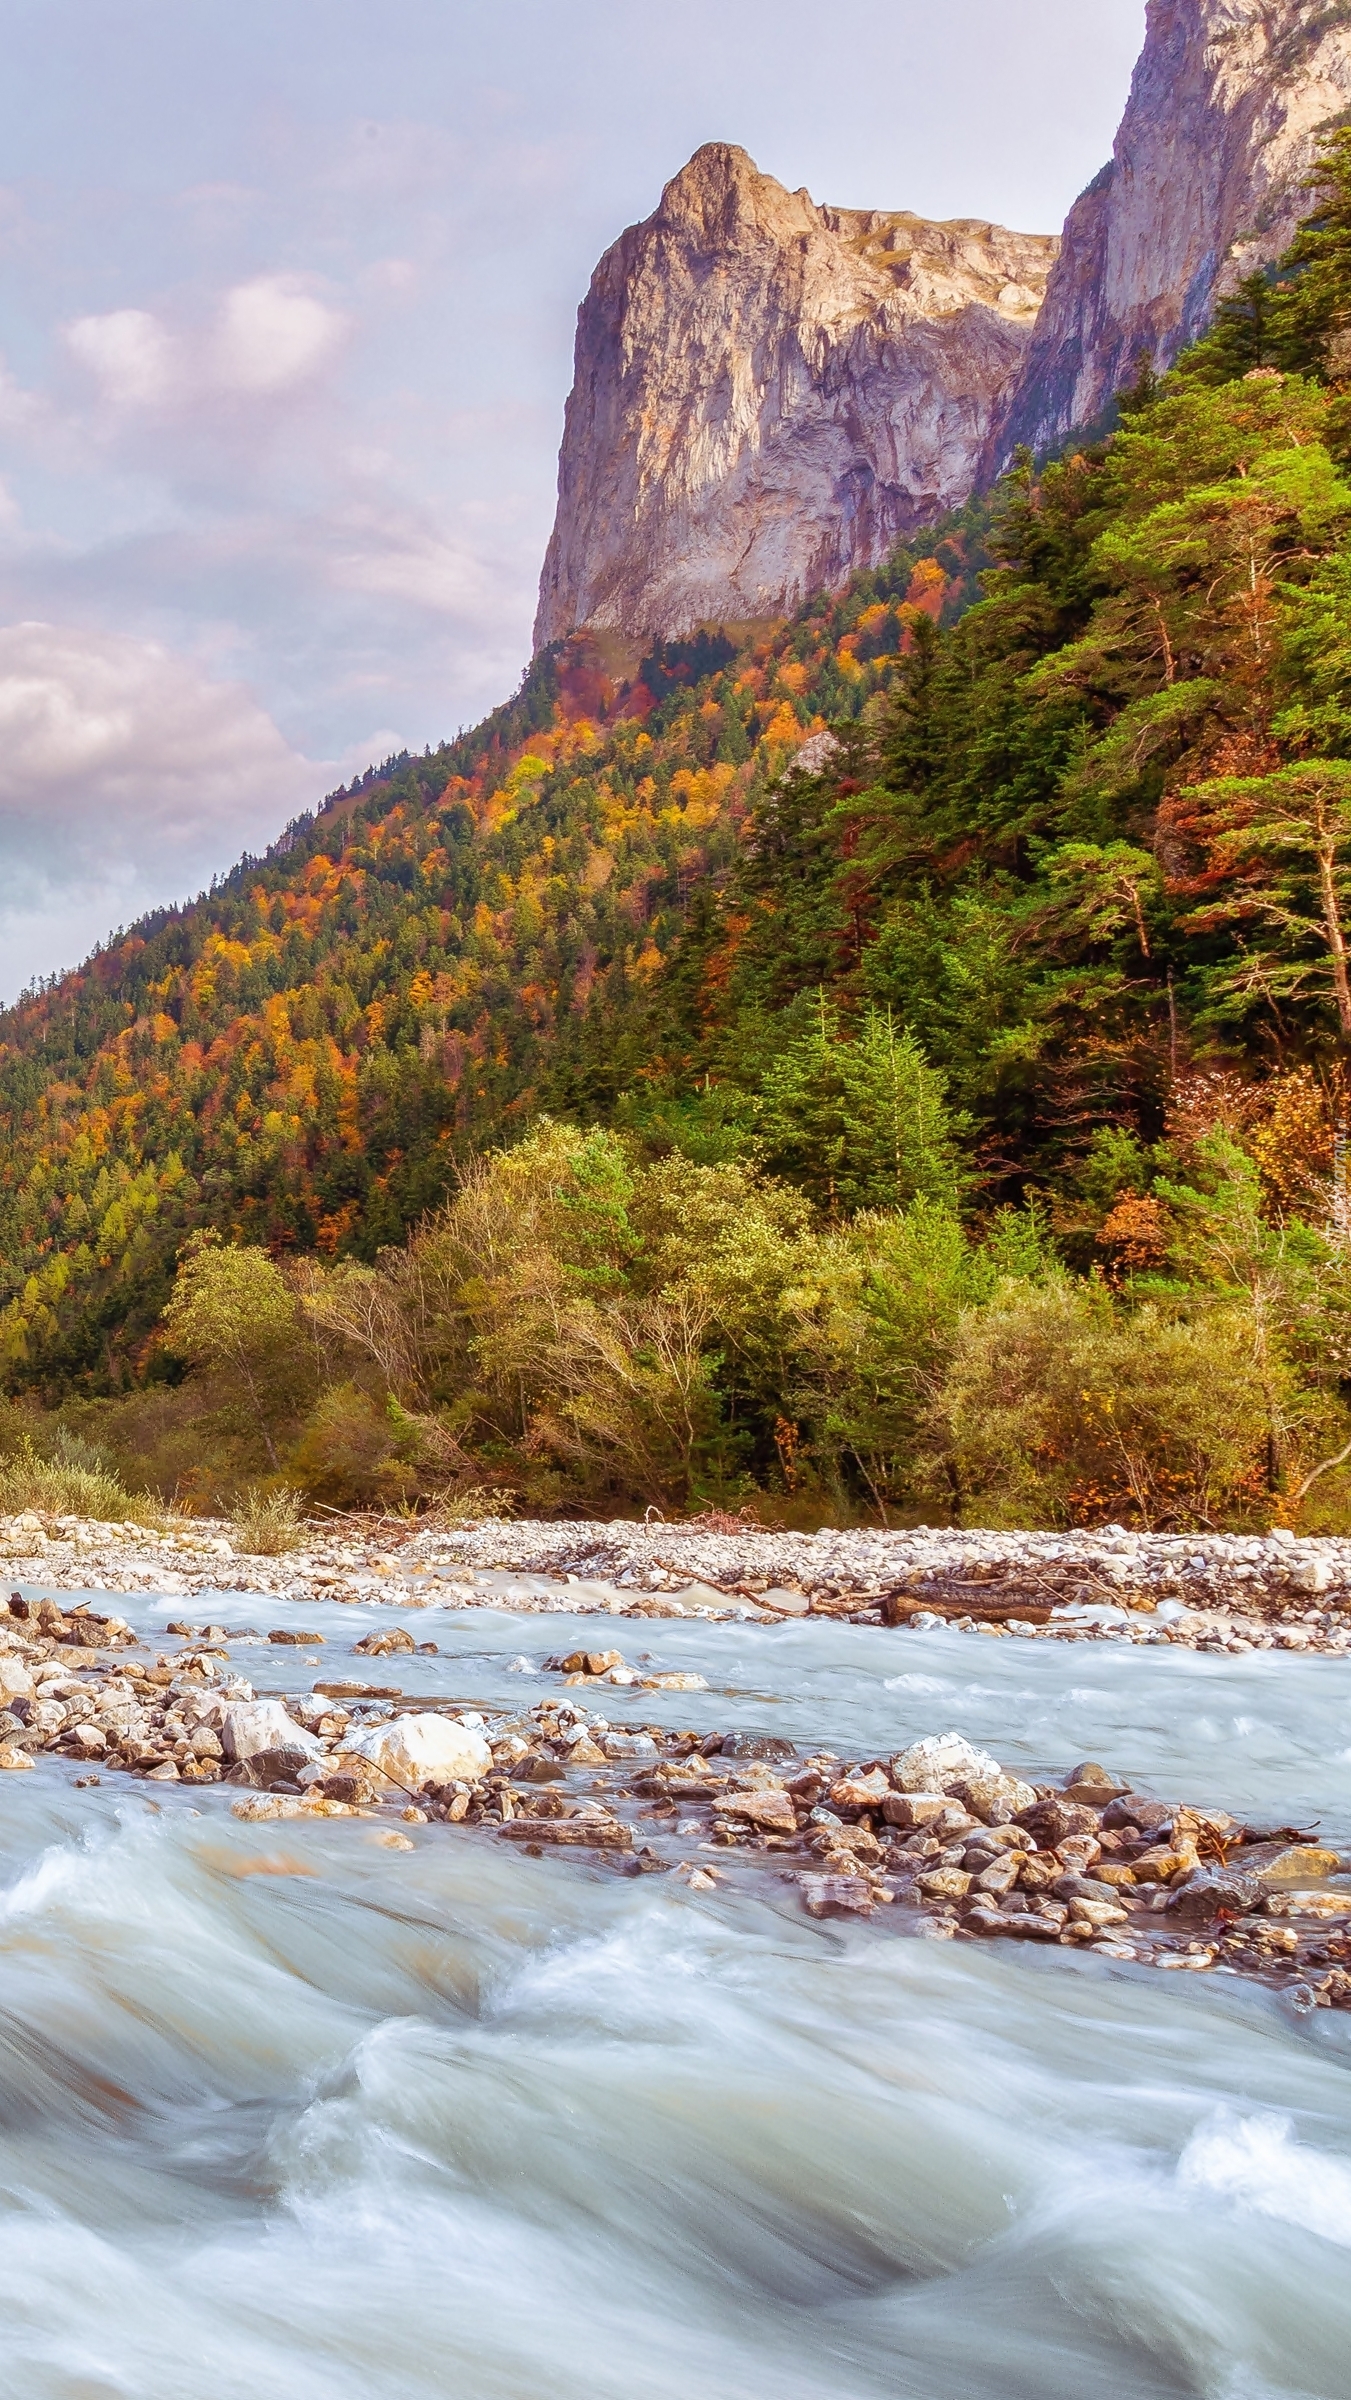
pixel 288 2115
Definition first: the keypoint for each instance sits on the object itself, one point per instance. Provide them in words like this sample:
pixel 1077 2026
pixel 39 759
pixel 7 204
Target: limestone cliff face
pixel 769 394
pixel 1204 185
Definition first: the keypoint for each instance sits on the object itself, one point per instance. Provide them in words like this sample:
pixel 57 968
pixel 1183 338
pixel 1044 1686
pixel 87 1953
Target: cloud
pixel 129 354
pixel 127 777
pixel 274 332
pixel 271 335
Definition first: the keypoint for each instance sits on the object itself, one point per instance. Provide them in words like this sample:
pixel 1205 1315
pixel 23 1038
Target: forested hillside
pixel 300 1058
pixel 1000 1039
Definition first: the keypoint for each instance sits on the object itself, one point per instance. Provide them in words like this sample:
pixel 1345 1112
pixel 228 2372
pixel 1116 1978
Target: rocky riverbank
pixel 940 1836
pixel 1203 1590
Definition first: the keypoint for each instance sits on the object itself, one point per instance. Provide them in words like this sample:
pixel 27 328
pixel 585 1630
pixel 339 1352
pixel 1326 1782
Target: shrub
pixel 77 1484
pixel 1060 1406
pixel 478 1503
pixel 233 1316
pixel 269 1520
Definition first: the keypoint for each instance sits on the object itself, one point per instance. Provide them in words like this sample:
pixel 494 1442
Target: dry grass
pixel 477 1504
pixel 269 1521
pixel 77 1482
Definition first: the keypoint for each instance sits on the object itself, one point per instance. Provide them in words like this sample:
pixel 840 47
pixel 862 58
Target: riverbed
pixel 285 2110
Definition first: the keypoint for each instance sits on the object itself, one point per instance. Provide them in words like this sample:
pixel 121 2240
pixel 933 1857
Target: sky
pixel 288 291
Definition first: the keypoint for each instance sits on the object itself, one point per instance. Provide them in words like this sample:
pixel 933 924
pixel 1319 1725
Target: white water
pixel 286 2114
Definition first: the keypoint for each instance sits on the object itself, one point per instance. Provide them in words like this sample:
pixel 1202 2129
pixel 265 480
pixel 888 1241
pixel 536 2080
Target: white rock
pixel 249 1727
pixel 415 1751
pixel 1313 1574
pixel 16 1682
pixel 1206 186
pixel 940 1759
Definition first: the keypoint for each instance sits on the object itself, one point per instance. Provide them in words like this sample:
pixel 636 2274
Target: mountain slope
pixel 300 1057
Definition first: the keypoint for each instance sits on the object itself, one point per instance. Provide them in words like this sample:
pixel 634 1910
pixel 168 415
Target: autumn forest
pixel 892 1061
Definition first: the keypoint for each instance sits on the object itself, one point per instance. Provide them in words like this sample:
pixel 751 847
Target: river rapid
pixel 285 2112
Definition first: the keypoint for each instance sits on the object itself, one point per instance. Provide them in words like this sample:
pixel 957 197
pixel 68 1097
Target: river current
pixel 287 2114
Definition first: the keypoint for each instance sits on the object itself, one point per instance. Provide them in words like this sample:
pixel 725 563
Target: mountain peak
pixel 1205 184
pixel 769 394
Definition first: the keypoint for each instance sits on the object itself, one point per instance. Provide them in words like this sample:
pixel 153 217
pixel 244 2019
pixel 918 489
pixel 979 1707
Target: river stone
pixel 1211 1890
pixel 249 1727
pixel 1029 1926
pixel 993 1794
pixel 415 1751
pixel 628 1745
pixel 1309 1904
pixel 771 1811
pixel 1085 1887
pixel 943 1760
pixel 1154 1817
pixel 836 1895
pixel 587 1831
pixel 1162 1862
pixel 1078 1852
pixel 16 1682
pixel 1048 1822
pixel 860 1791
pixel 13 1761
pixel 1095 1786
pixel 585 1662
pixel 1000 1876
pixel 911 1810
pixel 1302 1862
pixel 944 1883
pixel 1096 1913
pixel 770 1746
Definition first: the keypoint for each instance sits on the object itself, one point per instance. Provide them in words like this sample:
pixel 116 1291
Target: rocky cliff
pixel 1204 184
pixel 769 394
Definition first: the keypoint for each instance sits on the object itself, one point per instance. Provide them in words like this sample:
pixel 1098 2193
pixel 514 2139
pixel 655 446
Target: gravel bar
pixel 1199 1589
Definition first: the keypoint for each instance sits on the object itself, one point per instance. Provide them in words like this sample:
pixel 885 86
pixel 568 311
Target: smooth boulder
pixel 265 1742
pixel 416 1751
pixel 16 1683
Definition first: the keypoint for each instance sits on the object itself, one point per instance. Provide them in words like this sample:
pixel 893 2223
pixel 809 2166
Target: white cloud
pixel 129 354
pixel 127 777
pixel 271 335
pixel 274 333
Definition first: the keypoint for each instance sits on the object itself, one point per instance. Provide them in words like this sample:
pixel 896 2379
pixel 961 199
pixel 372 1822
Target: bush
pixel 477 1504
pixel 269 1521
pixel 233 1316
pixel 1060 1407
pixel 355 1449
pixel 76 1484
